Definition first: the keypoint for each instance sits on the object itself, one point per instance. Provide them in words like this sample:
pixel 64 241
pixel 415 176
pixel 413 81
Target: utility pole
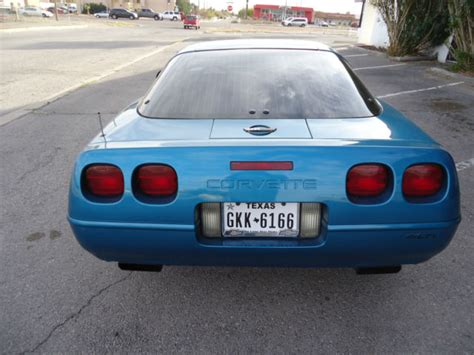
pixel 246 8
pixel 56 10
pixel 361 13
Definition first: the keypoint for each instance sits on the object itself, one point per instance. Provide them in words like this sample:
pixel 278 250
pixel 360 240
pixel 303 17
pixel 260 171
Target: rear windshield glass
pixel 191 17
pixel 258 83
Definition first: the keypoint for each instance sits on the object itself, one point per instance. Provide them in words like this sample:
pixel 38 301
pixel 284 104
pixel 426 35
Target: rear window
pixel 191 18
pixel 258 83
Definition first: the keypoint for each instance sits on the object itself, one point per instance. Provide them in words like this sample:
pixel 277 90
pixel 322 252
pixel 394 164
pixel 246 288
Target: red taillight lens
pixel 261 165
pixel 367 180
pixel 156 180
pixel 104 180
pixel 422 180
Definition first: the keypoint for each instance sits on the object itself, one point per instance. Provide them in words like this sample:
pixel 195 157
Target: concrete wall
pixel 373 30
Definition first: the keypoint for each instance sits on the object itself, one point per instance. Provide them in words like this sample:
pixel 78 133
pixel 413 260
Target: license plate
pixel 242 219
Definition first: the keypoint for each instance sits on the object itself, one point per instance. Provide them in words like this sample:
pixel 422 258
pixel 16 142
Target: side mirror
pixel 157 74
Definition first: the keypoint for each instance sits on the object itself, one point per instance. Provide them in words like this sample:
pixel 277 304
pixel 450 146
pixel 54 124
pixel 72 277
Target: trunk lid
pixel 264 129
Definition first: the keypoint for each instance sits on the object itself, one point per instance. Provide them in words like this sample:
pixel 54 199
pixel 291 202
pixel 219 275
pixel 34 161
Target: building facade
pixel 335 19
pixel 279 13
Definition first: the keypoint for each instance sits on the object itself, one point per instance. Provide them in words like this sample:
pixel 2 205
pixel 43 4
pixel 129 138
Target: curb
pixel 41 28
pixel 450 74
pixel 413 58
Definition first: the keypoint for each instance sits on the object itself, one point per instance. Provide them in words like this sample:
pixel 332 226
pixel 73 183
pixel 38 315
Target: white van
pixel 295 21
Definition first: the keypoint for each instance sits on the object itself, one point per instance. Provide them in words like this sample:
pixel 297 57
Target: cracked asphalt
pixel 55 297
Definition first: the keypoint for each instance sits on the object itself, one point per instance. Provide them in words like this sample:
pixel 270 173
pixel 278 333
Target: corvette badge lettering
pixel 265 184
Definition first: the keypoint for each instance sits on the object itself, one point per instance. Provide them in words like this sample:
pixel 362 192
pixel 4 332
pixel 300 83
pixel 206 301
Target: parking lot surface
pixel 55 297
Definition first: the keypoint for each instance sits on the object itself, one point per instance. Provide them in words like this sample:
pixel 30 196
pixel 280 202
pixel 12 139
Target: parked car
pixel 122 13
pixel 72 8
pixel 295 21
pixel 171 15
pixel 102 14
pixel 149 13
pixel 5 10
pixel 260 170
pixel 324 24
pixel 35 11
pixel 191 21
pixel 59 9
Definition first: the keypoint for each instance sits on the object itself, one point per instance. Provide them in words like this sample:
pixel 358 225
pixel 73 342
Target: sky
pixel 341 6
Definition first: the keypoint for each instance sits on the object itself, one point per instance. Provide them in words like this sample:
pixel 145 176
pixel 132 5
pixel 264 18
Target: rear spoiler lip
pixel 255 142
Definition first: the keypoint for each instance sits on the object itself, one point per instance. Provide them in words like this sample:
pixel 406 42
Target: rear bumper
pixel 338 246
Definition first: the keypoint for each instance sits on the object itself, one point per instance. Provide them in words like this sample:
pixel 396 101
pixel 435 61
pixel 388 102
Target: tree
pixel 184 6
pixel 462 23
pixel 414 25
pixel 241 13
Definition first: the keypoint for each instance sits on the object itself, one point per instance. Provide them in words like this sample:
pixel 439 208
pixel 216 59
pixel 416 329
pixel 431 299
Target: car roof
pixel 255 44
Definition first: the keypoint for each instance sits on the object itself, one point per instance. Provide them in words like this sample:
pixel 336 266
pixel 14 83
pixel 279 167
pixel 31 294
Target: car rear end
pixel 289 184
pixel 309 206
pixel 191 21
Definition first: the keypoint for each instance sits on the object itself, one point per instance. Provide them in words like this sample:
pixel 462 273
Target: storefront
pixel 279 13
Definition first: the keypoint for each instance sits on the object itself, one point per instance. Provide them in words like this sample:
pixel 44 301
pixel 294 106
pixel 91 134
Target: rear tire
pixel 378 270
pixel 174 19
pixel 139 267
pixel 114 17
pixel 156 18
pixel 132 17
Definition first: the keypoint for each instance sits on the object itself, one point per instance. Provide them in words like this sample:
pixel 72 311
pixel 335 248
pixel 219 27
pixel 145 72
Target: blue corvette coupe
pixel 263 153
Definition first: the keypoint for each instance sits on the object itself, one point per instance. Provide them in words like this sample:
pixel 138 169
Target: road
pixel 55 297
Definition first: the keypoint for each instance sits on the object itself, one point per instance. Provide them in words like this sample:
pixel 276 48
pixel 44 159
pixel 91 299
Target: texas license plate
pixel 273 219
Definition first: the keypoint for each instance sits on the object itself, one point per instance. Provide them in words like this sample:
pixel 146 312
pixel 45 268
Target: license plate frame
pixel 267 231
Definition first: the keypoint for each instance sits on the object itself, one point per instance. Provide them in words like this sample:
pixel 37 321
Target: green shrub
pixel 92 8
pixel 462 23
pixel 414 25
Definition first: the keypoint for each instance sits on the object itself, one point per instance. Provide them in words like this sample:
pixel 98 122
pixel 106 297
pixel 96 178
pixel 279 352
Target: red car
pixel 191 21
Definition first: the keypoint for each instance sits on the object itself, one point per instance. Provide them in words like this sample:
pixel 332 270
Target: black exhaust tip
pixel 139 267
pixel 378 270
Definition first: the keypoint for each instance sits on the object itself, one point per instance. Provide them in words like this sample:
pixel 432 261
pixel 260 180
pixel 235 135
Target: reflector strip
pixel 261 165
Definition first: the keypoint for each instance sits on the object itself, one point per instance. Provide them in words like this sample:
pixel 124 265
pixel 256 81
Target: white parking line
pixel 466 164
pixel 420 90
pixel 356 55
pixel 380 66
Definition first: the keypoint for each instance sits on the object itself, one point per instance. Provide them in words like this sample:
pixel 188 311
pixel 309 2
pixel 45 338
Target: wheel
pixel 196 28
pixel 43 15
pixel 156 17
pixel 174 19
pixel 185 27
pixel 132 17
pixel 114 17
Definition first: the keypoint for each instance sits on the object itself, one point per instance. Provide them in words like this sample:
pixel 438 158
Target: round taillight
pixel 156 180
pixel 422 180
pixel 367 180
pixel 104 180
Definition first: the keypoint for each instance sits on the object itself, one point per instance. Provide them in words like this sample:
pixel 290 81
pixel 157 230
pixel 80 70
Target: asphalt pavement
pixel 56 297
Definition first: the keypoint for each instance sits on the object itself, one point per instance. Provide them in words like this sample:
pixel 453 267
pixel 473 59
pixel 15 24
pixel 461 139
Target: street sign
pixel 229 8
